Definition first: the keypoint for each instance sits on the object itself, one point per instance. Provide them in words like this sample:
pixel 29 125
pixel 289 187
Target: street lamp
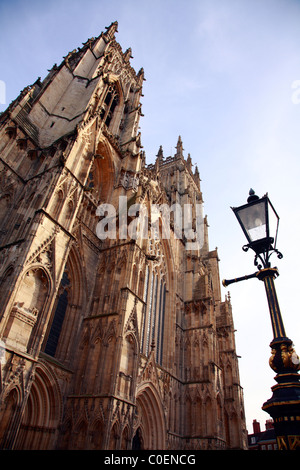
pixel 259 222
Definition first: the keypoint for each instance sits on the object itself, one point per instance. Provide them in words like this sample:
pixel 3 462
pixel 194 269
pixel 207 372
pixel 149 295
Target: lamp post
pixel 259 222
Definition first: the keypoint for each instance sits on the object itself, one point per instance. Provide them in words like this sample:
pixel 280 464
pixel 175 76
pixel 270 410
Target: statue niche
pixel 28 306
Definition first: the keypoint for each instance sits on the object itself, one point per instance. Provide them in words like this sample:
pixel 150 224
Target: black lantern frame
pixel 259 222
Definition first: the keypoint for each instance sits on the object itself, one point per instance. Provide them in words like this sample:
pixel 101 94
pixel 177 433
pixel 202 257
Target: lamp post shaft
pixel 267 276
pixel 276 319
pixel 284 405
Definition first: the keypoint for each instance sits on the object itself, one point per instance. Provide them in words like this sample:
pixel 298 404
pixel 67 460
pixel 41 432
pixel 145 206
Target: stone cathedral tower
pixel 120 343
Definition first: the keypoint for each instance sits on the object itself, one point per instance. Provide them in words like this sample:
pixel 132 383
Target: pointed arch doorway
pixel 151 430
pixel 42 414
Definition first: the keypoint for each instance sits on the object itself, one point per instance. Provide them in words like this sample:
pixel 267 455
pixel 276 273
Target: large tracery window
pixel 161 322
pixel 154 316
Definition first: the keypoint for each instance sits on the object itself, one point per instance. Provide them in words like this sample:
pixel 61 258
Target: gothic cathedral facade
pixel 107 343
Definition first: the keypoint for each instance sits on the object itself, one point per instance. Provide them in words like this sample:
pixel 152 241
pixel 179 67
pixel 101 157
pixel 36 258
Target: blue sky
pixel 220 73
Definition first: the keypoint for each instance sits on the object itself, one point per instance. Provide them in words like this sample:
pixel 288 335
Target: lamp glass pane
pixel 273 223
pixel 253 220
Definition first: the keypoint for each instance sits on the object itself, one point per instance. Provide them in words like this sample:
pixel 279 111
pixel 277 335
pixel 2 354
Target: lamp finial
pixel 252 196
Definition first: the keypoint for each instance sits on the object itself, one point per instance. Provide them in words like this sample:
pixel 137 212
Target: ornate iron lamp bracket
pixel 264 256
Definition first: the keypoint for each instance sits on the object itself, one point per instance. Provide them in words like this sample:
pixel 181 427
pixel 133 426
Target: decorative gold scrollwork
pixel 290 359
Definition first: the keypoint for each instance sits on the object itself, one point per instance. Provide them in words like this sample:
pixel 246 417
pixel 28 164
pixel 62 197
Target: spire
pixel 141 75
pixel 160 155
pixel 197 176
pixel 128 55
pixel 111 30
pixel 179 148
pixel 189 162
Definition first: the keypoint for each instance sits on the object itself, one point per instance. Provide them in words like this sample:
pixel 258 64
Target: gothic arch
pixel 114 436
pixel 96 434
pixel 116 104
pixel 140 289
pixel 234 437
pixel 108 356
pixel 82 354
pixel 66 431
pixel 68 213
pixel 128 368
pixel 80 435
pixel 8 415
pixel 134 278
pixel 155 279
pixel 169 260
pixel 189 413
pixel 41 277
pixel 57 203
pixel 137 441
pixel 228 375
pixel 151 419
pixel 220 419
pixel 72 287
pixel 103 172
pixel 42 413
pixel 28 308
pixel 125 438
pixel 199 415
pixel 209 416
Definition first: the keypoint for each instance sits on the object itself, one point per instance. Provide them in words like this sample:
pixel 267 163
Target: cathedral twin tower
pixel 119 342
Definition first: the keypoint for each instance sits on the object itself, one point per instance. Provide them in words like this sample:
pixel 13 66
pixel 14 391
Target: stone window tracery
pixel 155 302
pixel 109 105
pixel 59 315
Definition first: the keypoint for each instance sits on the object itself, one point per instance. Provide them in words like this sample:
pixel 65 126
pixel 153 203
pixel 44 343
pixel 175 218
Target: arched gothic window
pixel 154 315
pixel 109 105
pixel 161 322
pixel 137 441
pixel 59 316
